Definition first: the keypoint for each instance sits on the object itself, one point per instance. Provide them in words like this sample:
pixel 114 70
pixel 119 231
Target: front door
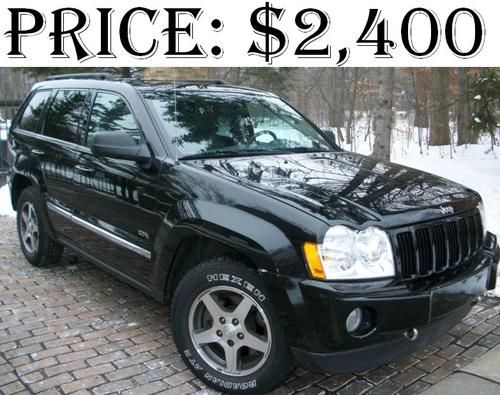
pixel 116 200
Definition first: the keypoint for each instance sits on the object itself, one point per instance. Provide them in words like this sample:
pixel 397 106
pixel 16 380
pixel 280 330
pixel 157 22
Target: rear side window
pixel 31 118
pixel 111 113
pixel 67 115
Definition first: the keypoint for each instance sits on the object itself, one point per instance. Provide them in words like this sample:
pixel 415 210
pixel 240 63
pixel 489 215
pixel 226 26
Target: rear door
pixel 116 198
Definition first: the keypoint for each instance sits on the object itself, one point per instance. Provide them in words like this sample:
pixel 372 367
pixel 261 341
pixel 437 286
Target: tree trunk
pixel 464 112
pixel 440 128
pixel 419 84
pixel 330 86
pixel 383 115
pixel 352 108
pixel 337 102
pixel 343 86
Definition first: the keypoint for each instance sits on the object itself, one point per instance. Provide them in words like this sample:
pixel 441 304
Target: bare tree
pixel 352 107
pixel 420 120
pixel 464 111
pixel 440 128
pixel 383 114
pixel 331 85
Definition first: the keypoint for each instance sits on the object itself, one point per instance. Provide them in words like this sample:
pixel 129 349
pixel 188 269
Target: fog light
pixel 354 319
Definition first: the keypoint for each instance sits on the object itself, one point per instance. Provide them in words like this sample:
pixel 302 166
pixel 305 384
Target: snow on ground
pixel 5 206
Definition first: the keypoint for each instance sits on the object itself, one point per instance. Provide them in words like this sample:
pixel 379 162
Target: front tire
pixel 227 331
pixel 37 246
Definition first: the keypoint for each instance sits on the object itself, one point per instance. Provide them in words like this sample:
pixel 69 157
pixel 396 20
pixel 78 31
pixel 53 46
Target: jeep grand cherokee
pixel 270 243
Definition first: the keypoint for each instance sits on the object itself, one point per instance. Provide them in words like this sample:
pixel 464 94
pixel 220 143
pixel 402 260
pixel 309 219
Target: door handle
pixel 38 152
pixel 84 169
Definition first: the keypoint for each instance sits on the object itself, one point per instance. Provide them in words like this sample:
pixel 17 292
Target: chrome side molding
pixel 99 231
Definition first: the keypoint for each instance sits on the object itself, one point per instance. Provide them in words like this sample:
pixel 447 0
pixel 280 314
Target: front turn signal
pixel 313 260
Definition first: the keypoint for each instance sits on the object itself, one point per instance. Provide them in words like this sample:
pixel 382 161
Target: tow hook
pixel 411 334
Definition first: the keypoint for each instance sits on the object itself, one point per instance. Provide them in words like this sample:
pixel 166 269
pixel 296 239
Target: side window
pixel 111 113
pixel 66 115
pixel 33 112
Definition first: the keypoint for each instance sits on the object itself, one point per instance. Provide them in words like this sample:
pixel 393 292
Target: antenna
pixel 175 119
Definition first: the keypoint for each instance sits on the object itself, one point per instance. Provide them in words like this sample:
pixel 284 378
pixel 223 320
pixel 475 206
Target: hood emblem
pixel 446 209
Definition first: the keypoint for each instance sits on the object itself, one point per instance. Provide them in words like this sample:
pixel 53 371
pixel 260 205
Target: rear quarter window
pixel 31 120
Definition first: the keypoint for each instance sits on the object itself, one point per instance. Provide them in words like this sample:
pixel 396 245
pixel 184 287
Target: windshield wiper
pixel 224 153
pixel 299 150
pixel 246 152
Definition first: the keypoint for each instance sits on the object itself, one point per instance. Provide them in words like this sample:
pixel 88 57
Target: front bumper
pixel 373 355
pixel 432 308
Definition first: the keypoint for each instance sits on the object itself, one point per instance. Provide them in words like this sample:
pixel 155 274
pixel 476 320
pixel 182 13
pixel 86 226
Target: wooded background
pixel 443 106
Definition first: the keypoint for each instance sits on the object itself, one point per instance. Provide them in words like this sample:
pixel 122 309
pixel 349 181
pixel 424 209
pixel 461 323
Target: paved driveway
pixel 73 328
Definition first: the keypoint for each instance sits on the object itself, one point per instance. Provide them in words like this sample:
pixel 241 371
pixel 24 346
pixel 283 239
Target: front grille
pixel 433 248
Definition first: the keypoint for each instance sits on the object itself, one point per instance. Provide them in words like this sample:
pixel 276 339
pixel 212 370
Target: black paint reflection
pixel 33 112
pixel 328 179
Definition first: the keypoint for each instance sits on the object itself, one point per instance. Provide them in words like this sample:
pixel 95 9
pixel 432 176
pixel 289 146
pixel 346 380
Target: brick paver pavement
pixel 74 328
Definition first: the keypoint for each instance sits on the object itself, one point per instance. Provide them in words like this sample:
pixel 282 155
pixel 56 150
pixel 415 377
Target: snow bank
pixel 5 205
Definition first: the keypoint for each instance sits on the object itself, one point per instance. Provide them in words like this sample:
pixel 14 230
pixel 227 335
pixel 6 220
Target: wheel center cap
pixel 229 331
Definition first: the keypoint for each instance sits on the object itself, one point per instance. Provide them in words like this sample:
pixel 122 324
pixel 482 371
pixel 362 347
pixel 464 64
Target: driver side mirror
pixel 120 145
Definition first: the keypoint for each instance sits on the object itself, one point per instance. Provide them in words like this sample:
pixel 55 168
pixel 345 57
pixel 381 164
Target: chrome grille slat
pixel 454 245
pixel 423 243
pixel 407 258
pixel 472 234
pixel 464 244
pixel 440 246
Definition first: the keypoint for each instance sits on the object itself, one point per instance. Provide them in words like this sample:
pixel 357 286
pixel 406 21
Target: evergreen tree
pixel 273 79
pixel 485 94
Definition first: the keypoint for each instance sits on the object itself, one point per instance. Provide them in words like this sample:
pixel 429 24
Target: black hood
pixel 346 186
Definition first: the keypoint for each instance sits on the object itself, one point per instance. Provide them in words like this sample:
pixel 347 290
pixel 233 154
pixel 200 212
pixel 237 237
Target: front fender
pixel 262 242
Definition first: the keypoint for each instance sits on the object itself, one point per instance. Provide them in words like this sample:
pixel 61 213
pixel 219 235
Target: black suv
pixel 271 243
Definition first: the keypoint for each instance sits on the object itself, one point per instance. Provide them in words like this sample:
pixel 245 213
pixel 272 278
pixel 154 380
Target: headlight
pixel 480 207
pixel 347 254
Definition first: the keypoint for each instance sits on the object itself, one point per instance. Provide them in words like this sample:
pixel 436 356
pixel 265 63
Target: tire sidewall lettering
pixel 235 280
pixel 228 385
pixel 225 384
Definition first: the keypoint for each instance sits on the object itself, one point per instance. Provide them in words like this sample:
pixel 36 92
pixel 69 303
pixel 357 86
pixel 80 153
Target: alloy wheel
pixel 29 228
pixel 230 331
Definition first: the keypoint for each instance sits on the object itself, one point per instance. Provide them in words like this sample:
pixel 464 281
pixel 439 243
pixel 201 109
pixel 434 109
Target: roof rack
pixel 180 82
pixel 114 77
pixel 207 81
pixel 83 76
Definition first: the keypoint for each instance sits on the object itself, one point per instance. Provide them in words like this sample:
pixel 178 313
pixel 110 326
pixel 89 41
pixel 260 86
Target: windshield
pixel 211 124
